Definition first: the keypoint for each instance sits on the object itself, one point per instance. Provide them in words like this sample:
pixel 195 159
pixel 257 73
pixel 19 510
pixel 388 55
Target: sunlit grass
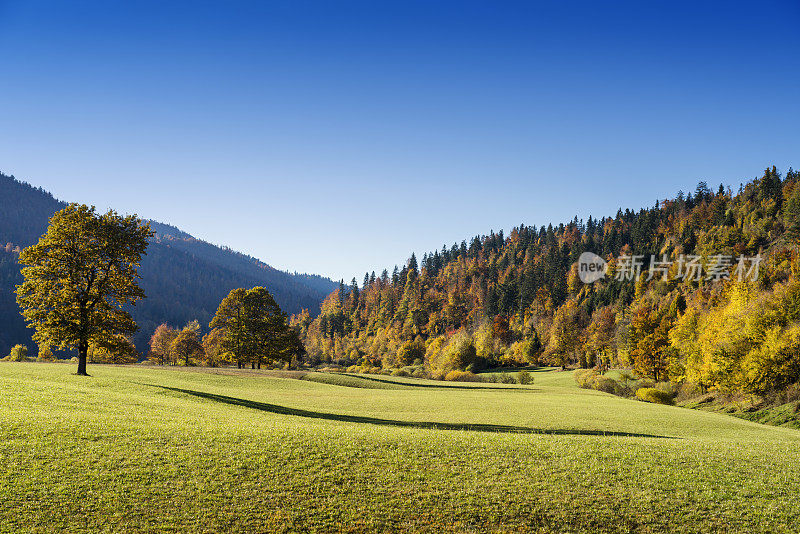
pixel 118 452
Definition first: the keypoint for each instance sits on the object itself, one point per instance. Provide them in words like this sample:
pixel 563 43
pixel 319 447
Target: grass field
pixel 137 449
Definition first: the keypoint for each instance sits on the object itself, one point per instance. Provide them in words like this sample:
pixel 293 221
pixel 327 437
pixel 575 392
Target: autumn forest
pixel 513 300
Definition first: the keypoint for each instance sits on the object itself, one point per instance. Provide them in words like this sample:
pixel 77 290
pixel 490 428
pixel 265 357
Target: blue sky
pixel 338 137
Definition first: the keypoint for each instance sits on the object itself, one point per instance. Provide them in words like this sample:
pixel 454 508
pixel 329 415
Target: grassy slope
pixel 110 453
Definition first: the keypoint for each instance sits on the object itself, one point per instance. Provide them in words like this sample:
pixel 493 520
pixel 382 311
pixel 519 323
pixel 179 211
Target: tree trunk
pixel 83 340
pixel 83 349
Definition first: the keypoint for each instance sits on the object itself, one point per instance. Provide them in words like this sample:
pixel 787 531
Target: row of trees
pixel 249 327
pixel 504 300
pixel 81 278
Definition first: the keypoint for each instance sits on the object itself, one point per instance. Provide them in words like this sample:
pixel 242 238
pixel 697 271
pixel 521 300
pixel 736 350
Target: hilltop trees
pixel 78 278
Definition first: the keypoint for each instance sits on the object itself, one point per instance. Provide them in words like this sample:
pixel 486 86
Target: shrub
pixel 524 378
pixel 411 351
pixel 418 373
pixel 644 383
pixel 654 395
pixel 626 376
pixel 606 385
pixel 591 379
pixel 45 354
pixel 667 387
pixel 506 378
pixel 19 353
pixel 584 377
pixel 461 376
pixel 400 372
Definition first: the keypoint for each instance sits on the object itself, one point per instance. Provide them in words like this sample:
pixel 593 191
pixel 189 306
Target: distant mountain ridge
pixel 184 278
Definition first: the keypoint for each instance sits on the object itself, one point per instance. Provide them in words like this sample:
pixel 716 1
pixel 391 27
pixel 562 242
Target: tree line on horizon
pixel 499 301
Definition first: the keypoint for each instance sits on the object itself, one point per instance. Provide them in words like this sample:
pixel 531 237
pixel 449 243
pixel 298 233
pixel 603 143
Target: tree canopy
pixel 254 328
pixel 79 278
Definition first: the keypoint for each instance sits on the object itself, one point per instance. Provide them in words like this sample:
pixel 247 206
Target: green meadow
pixel 139 449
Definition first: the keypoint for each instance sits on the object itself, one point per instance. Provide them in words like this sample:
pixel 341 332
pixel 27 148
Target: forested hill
pixel 517 298
pixel 184 278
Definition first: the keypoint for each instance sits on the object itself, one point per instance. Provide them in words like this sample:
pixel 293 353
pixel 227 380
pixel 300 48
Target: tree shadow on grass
pixel 475 427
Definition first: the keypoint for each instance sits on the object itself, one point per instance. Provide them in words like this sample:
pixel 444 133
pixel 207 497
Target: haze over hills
pixel 184 278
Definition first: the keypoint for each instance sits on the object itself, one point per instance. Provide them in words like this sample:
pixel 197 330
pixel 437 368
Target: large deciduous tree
pixel 230 318
pixel 255 329
pixel 80 276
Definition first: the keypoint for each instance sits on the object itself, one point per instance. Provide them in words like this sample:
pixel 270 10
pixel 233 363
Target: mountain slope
pixel 184 278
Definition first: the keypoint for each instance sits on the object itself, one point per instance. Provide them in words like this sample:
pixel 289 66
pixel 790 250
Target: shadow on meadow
pixel 475 427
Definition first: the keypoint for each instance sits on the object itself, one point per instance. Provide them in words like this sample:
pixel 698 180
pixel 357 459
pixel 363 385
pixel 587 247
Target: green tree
pixel 79 276
pixel 213 346
pixel 186 347
pixel 230 318
pixel 265 326
pixel 117 349
pixel 255 328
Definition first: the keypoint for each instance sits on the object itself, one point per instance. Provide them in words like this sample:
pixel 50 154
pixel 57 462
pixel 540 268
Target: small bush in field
pixel 584 377
pixel 524 378
pixel 654 395
pixel 606 385
pixel 19 353
pixel 400 372
pixel 461 376
pixel 46 354
pixel 591 379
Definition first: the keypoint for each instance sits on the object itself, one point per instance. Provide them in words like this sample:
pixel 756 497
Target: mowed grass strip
pixel 108 453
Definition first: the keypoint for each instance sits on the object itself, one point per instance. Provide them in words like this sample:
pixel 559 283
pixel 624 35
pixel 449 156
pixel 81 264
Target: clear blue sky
pixel 338 137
